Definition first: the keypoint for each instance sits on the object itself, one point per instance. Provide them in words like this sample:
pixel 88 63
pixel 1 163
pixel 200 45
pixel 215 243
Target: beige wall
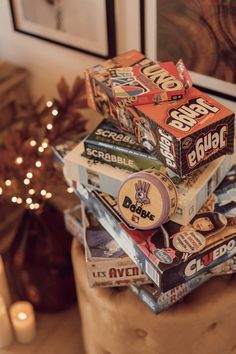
pixel 47 61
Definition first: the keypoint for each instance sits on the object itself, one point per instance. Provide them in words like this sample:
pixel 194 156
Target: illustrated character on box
pixel 93 177
pixel 228 267
pixel 159 246
pixel 142 130
pixel 101 99
pixel 99 241
pixel 125 118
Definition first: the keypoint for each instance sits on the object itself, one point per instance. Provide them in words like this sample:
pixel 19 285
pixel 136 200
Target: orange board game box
pixel 184 134
pixel 150 83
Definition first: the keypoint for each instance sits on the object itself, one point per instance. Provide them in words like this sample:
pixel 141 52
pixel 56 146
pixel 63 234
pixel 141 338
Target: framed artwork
pixel 202 33
pixel 84 25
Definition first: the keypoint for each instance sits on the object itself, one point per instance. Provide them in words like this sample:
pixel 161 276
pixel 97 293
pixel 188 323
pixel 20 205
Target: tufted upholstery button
pixel 212 326
pixel 141 333
pixel 233 348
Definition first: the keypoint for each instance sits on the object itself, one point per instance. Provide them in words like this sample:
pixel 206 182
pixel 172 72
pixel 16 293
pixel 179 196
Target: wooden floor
pixel 56 334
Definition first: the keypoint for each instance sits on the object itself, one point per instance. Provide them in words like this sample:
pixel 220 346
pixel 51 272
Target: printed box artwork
pixel 150 83
pixel 109 145
pixel 158 301
pixel 73 223
pixel 192 192
pixel 61 150
pixel 184 134
pixel 106 262
pixel 172 254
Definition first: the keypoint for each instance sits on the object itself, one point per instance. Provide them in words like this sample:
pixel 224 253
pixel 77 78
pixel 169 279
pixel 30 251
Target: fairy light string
pixel 27 173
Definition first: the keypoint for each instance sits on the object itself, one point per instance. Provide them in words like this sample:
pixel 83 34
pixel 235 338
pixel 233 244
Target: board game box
pixel 192 191
pixel 73 222
pixel 172 254
pixel 184 134
pixel 107 264
pixel 150 83
pixel 158 301
pixel 110 145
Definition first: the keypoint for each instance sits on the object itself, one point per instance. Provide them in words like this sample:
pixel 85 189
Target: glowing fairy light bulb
pixel 19 160
pixel 19 200
pixel 38 163
pixel 14 199
pixel 43 192
pixel 48 195
pixel 8 182
pixel 54 112
pixel 31 191
pixel 31 206
pixel 29 175
pixel 49 104
pixel 29 200
pixel 1 191
pixel 49 126
pixel 69 190
pixel 33 142
pixel 26 181
pixel 41 149
pixel 44 144
pixel 36 205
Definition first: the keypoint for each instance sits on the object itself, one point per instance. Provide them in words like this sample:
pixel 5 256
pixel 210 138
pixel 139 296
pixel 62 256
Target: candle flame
pixel 22 316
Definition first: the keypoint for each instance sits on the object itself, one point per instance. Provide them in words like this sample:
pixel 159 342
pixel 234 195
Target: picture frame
pixel 62 22
pixel 151 33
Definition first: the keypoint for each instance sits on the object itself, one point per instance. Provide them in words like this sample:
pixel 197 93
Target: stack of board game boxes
pixel 157 180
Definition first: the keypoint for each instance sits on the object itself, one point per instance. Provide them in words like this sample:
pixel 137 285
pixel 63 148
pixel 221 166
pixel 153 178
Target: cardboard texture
pixel 192 192
pixel 184 134
pixel 106 262
pixel 172 254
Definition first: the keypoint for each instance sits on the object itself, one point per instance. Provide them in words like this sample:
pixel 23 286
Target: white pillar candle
pixel 5 326
pixel 23 321
pixel 4 290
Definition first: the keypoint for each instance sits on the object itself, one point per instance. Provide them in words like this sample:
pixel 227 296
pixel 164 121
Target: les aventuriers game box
pixel 184 134
pixel 106 262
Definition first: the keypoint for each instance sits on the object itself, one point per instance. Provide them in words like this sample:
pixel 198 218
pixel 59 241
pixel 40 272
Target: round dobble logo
pixel 145 199
pixel 189 241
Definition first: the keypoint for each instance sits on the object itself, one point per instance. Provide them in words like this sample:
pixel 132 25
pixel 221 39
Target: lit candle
pixel 4 290
pixel 23 321
pixel 5 326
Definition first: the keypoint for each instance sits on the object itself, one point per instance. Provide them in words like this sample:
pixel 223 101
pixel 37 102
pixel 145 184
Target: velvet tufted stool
pixel 115 321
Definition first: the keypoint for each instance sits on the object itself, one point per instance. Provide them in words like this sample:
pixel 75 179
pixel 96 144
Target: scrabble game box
pixel 110 145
